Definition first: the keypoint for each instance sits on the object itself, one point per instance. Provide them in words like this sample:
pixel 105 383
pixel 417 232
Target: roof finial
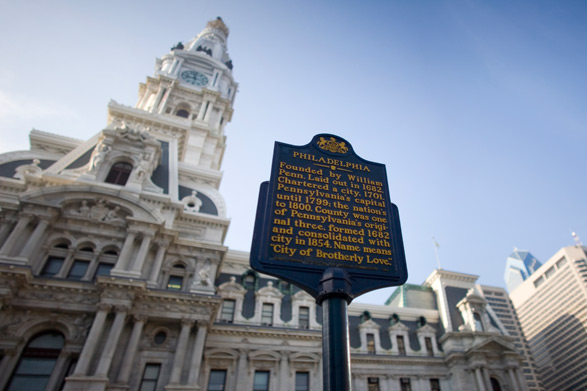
pixel 577 239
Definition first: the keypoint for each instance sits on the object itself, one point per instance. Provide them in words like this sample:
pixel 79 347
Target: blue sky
pixel 478 109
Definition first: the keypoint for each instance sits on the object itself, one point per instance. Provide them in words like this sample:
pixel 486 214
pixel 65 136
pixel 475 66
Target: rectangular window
pixel 304 317
pixel 78 270
pixel 429 349
pixel 261 381
pixel 302 381
pixel 150 377
pixel 561 262
pixel 52 266
pixel 103 269
pixel 549 272
pixel 538 282
pixel 217 380
pixel 227 314
pixel 373 384
pixel 175 283
pixel 267 314
pixel 405 384
pixel 401 346
pixel 370 343
pixel 434 385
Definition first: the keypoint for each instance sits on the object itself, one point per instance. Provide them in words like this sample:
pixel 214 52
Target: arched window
pixel 182 113
pixel 84 263
pixel 37 362
pixel 495 384
pixel 55 260
pixel 81 262
pixel 119 173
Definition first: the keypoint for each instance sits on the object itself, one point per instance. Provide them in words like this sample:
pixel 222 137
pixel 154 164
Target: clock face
pixel 195 78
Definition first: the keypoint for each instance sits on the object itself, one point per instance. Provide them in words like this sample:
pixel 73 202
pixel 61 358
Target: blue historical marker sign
pixel 325 207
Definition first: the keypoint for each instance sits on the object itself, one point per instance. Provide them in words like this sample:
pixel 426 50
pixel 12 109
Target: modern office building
pixel 519 266
pixel 552 308
pixel 500 306
pixel 114 274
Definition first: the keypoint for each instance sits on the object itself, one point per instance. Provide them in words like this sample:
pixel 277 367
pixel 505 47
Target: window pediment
pixel 269 291
pixel 232 286
pixel 370 325
pixel 398 327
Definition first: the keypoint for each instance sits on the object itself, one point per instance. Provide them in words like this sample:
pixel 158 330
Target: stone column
pixel 284 371
pixel 157 100
pixel 205 104
pixel 32 242
pixel 83 363
pixel 139 260
pixel 157 263
pixel 197 353
pixel 111 343
pixel 131 349
pixel 208 113
pixel 17 232
pixel 5 366
pixel 512 379
pixel 393 383
pixel 125 253
pixel 217 125
pixel 56 376
pixel 91 268
pixel 241 376
pixel 5 230
pixel 66 263
pixel 487 382
pixel 384 383
pixel 521 381
pixel 479 378
pixel 180 350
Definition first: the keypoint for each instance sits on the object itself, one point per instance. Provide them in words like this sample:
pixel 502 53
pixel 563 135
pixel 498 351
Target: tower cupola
pixel 212 41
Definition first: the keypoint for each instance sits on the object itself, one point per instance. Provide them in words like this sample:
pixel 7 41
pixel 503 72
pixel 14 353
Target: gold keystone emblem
pixel 332 145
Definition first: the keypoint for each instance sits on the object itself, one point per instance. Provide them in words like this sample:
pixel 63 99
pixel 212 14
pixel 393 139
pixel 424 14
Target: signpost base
pixel 334 298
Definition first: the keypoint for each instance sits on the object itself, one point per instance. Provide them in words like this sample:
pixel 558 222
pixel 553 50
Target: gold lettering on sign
pixel 328 212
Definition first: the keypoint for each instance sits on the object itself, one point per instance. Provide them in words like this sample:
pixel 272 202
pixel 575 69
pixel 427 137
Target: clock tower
pixel 185 105
pixel 194 83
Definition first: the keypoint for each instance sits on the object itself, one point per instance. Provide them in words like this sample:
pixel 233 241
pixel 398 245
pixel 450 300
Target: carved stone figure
pixel 98 156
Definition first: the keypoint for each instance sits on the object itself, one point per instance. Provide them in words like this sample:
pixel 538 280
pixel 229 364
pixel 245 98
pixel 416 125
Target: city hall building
pixel 114 275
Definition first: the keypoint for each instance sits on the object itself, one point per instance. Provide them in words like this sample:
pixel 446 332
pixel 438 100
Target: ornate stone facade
pixel 113 271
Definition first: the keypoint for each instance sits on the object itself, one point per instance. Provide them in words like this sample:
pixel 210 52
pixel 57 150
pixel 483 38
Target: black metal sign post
pixel 334 297
pixel 325 222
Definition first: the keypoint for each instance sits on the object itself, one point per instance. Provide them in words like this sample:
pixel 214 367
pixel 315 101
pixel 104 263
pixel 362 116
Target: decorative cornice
pixel 381 359
pixel 257 332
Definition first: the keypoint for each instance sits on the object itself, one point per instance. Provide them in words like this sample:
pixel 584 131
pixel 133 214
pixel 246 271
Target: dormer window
pixel 304 317
pixel 401 345
pixel 267 314
pixel 119 173
pixel 249 280
pixel 371 343
pixel 227 312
